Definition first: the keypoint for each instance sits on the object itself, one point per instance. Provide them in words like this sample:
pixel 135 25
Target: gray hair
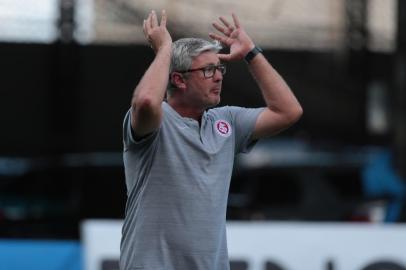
pixel 183 52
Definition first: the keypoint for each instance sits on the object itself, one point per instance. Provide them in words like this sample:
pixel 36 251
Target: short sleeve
pixel 244 120
pixel 128 135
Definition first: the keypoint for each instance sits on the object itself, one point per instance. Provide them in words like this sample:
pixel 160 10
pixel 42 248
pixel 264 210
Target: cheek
pixel 204 85
pixel 199 86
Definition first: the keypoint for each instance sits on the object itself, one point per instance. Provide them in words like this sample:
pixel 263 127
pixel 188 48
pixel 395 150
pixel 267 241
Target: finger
pixel 224 21
pixel 236 21
pixel 163 18
pixel 222 39
pixel 219 28
pixel 144 27
pixel 154 19
pixel 224 57
pixel 147 26
pixel 148 22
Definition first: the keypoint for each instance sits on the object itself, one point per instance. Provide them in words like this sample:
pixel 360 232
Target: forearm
pixel 277 94
pixel 152 87
pixel 149 94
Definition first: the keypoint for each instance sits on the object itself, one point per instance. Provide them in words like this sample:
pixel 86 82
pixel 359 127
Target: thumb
pixel 224 57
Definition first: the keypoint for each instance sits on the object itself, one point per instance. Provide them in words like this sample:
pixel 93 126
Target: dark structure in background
pixel 399 101
pixel 61 113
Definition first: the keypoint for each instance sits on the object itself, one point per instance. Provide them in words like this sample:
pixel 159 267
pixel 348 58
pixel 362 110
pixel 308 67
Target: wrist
pixel 164 49
pixel 252 54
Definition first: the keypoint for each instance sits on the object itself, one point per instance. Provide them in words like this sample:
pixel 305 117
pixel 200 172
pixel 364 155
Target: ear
pixel 178 80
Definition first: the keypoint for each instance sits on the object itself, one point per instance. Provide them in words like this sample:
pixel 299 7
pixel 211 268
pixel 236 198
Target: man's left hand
pixel 233 36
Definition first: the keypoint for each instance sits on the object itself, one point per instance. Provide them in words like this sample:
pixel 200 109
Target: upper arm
pixel 145 117
pixel 243 122
pixel 270 123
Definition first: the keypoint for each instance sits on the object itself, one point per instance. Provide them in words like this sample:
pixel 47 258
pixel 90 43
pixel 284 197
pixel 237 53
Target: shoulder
pixel 218 112
pixel 231 112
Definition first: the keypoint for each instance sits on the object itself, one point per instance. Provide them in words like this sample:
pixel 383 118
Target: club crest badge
pixel 223 128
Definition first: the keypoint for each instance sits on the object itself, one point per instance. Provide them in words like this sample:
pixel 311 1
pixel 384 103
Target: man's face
pixel 201 91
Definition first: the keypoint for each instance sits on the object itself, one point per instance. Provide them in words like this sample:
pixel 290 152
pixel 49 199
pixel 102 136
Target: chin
pixel 216 102
pixel 212 103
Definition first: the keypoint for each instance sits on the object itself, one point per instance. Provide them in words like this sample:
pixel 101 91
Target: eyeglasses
pixel 208 71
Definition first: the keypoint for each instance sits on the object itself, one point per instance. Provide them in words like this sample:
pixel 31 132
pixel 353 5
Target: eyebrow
pixel 212 64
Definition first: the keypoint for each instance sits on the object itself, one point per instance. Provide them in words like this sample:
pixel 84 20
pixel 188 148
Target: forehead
pixel 205 58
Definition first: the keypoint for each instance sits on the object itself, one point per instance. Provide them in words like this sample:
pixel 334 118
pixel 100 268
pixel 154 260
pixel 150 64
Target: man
pixel 178 154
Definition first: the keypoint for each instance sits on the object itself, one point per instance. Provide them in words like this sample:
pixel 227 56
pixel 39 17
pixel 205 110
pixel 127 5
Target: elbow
pixel 144 103
pixel 295 114
pixel 299 112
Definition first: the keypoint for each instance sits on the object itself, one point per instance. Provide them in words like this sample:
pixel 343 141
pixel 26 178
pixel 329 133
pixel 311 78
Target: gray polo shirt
pixel 177 187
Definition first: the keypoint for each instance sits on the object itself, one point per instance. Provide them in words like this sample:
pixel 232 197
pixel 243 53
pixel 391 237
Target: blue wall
pixel 40 255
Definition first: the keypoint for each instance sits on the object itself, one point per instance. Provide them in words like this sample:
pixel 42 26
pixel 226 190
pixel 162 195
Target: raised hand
pixel 233 36
pixel 157 34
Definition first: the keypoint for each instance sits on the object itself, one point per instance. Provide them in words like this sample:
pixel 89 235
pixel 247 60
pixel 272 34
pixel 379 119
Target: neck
pixel 186 110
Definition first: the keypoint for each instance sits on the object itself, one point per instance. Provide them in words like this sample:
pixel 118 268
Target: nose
pixel 218 76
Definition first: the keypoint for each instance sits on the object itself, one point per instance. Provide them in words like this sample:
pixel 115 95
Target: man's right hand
pixel 157 34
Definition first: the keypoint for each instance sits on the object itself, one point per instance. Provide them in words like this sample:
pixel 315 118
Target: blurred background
pixel 68 69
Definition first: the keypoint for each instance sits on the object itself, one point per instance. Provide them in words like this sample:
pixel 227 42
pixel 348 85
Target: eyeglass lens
pixel 211 70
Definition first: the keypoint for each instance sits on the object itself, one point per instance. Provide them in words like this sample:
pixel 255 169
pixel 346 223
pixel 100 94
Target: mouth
pixel 216 90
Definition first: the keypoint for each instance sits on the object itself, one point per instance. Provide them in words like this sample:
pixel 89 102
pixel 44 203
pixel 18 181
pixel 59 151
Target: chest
pixel 212 139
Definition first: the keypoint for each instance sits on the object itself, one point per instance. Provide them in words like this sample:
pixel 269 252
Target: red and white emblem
pixel 223 128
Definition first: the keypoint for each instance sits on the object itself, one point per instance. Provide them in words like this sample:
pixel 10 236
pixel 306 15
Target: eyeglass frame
pixel 220 67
